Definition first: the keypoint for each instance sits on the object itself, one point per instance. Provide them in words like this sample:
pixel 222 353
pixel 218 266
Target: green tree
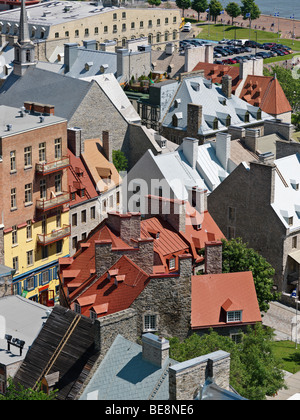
pixel 296 120
pixel 238 257
pixel 154 2
pixel 199 6
pixel 254 372
pixel 250 10
pixel 183 5
pixel 215 7
pixel 233 10
pixel 19 392
pixel 119 160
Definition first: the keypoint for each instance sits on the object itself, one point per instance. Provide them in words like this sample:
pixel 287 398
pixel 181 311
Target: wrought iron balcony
pixel 48 168
pixel 51 203
pixel 54 236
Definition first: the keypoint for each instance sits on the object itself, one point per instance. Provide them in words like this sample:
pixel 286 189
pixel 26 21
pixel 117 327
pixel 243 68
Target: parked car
pixel 223 41
pixel 187 27
pixel 248 49
pixel 217 55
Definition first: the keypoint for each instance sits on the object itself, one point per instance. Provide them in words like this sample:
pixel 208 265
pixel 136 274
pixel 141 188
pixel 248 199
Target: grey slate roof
pixel 124 375
pixel 198 90
pixel 97 59
pixel 42 86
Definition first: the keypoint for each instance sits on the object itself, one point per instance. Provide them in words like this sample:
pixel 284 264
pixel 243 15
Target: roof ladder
pixel 58 349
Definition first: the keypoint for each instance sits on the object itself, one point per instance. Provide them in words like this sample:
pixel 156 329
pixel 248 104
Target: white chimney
pixel 190 150
pixel 223 149
pixel 155 349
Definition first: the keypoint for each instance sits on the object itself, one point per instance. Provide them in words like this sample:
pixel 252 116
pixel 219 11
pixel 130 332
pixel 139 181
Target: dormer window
pixel 234 316
pixel 215 124
pixel 172 264
pixel 228 120
pixel 258 115
pixel 247 117
pixel 290 221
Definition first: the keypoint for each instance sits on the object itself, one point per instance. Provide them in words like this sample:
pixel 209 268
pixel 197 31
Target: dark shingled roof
pixel 46 87
pixel 70 351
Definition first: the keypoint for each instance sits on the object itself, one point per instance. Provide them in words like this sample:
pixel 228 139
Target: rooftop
pixel 215 294
pixel 56 12
pixel 23 319
pixel 15 121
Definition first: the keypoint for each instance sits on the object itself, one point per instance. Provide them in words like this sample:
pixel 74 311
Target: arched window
pixel 158 37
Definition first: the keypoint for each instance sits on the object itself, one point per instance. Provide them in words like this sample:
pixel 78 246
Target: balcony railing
pixel 57 165
pixel 53 202
pixel 55 235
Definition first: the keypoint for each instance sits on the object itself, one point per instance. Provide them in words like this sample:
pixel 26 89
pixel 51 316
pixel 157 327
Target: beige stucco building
pixel 75 21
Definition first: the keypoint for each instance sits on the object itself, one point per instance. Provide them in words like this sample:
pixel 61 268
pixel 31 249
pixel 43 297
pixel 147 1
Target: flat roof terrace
pixel 56 12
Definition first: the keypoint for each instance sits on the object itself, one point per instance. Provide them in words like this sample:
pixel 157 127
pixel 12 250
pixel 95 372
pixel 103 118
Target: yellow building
pixel 34 255
pixel 58 22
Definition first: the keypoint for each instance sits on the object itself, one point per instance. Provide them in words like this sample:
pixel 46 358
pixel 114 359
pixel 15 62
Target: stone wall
pixel 169 298
pixel 186 378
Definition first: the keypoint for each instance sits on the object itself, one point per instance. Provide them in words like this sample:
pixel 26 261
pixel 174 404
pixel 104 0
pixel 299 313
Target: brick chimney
pixel 155 349
pixel 213 257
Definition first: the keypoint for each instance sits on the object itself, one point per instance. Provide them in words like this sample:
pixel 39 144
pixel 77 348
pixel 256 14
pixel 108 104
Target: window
pixel 174 19
pixel 29 255
pixel 166 20
pixel 123 15
pixel 74 219
pixel 105 29
pixel 30 283
pixel 115 16
pixel 76 33
pixel 44 225
pixel 174 35
pixel 58 183
pixel 83 216
pixel 67 34
pixel 115 28
pixel 118 197
pixel 45 253
pixel 132 25
pixel 150 323
pixel 83 236
pixel 166 36
pixel 290 221
pixel 158 37
pixel 45 277
pixel 294 241
pixel 93 315
pixel 16 264
pixel 172 264
pixel 74 242
pixel 58 219
pixel 246 117
pixel 13 198
pixel 13 161
pixel 28 193
pixel 123 26
pixel 158 22
pixel 93 212
pixel 234 316
pixel 27 157
pixel 237 337
pixel 43 189
pixel 57 146
pixel 86 32
pixel 150 23
pixel 77 308
pixel 230 232
pixel 96 30
pixel 42 152
pixel 28 56
pixel 29 229
pixel 231 213
pixel 215 124
pixel 59 246
pixel 56 35
pixel 141 24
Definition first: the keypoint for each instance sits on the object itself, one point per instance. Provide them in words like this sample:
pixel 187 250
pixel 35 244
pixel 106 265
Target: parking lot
pixel 236 51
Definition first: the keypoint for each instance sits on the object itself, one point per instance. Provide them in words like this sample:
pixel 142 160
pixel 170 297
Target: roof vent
pixel 42 119
pixel 8 127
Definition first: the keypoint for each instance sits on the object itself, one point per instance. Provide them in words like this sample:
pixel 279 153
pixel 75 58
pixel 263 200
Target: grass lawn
pixel 219 31
pixel 286 352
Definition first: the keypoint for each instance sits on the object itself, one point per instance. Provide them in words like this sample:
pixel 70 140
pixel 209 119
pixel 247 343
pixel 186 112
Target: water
pixel 286 8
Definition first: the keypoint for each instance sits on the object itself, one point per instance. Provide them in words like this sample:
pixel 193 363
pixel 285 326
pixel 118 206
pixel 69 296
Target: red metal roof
pixel 215 72
pixel 214 294
pixel 78 179
pixel 106 296
pixel 265 92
